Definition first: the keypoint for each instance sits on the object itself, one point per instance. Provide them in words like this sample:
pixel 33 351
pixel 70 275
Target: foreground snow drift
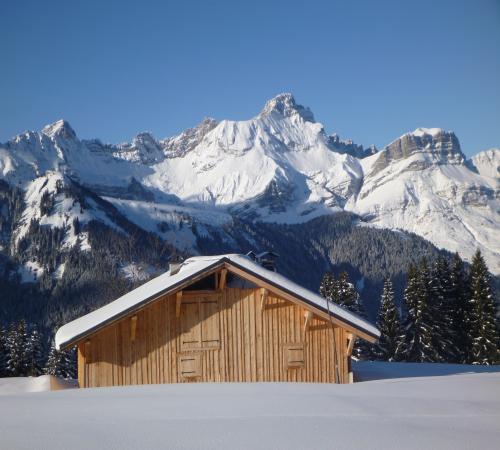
pixel 43 383
pixel 456 411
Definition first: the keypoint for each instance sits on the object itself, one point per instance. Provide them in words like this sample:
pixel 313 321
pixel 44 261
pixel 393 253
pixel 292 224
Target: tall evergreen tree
pixel 327 288
pixel 460 308
pixel 33 351
pixel 443 337
pixel 3 352
pixel 61 364
pixel 342 292
pixel 417 343
pixel 389 324
pixel 484 331
pixel 17 360
pixel 346 294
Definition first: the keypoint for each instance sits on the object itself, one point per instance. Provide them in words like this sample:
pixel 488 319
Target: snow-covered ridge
pixel 278 166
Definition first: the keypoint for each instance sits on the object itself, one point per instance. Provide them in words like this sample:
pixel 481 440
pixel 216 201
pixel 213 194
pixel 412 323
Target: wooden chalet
pixel 215 319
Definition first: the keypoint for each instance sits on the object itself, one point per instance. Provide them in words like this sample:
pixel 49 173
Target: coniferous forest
pixel 442 291
pixel 447 314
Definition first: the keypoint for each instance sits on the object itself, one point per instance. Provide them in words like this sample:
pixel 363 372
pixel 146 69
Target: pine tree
pixel 61 364
pixel 3 352
pixel 346 294
pixel 459 305
pixel 53 361
pixel 17 361
pixel 417 343
pixel 327 288
pixel 443 337
pixel 33 351
pixel 484 331
pixel 389 324
pixel 363 350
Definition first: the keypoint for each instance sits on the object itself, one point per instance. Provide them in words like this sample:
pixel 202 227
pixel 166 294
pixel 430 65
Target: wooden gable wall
pixel 236 335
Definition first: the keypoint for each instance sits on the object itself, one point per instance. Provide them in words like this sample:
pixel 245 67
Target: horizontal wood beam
pixel 201 293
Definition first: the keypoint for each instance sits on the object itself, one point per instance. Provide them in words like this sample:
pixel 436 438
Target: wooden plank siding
pixel 239 341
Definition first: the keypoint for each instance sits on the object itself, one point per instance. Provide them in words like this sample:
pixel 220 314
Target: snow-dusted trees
pixel 342 292
pixel 460 310
pixel 34 354
pixel 3 352
pixel 20 351
pixel 327 286
pixel 450 314
pixel 417 339
pixel 17 358
pixel 388 322
pixel 61 363
pixel 483 328
pixel 440 303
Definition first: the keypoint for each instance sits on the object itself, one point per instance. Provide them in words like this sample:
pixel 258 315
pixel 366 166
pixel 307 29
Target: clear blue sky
pixel 369 69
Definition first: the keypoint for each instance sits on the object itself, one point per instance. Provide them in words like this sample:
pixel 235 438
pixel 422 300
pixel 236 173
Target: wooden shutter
pixel 294 355
pixel 209 315
pixel 190 365
pixel 190 325
pixel 200 327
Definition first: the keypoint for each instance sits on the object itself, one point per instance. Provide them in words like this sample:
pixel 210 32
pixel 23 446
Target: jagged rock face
pixel 178 146
pixel 61 129
pixel 487 164
pixel 284 105
pixel 442 146
pixel 144 148
pixel 349 147
pixel 279 166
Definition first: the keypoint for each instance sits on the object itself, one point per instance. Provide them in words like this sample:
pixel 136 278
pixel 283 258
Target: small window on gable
pixel 190 365
pixel 294 356
pixel 200 328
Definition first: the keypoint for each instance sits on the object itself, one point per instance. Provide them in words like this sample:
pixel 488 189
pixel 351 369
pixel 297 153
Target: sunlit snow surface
pixel 439 412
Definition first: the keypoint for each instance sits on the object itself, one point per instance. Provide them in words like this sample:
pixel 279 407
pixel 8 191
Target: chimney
pixel 268 260
pixel 252 255
pixel 174 264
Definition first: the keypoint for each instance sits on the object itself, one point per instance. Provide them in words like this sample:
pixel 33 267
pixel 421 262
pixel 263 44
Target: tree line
pixel 447 314
pixel 22 354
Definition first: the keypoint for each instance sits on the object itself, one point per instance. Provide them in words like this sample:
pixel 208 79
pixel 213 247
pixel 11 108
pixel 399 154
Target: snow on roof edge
pixel 192 267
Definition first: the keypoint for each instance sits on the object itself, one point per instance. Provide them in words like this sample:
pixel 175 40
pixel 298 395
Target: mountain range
pixel 230 185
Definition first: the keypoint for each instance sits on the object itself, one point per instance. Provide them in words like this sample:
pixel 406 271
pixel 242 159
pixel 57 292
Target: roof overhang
pixel 339 317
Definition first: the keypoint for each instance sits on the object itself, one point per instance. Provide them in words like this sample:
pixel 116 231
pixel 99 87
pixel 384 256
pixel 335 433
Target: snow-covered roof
pixel 192 268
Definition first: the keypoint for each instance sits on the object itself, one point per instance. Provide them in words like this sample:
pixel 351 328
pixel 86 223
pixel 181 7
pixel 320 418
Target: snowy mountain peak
pixel 178 146
pixel 285 105
pixel 277 167
pixel 61 128
pixel 432 145
pixel 144 148
pixel 487 163
pixel 427 131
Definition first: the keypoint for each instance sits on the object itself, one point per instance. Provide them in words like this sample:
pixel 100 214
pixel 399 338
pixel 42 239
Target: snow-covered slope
pixel 487 164
pixel 445 412
pixel 421 183
pixel 280 166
